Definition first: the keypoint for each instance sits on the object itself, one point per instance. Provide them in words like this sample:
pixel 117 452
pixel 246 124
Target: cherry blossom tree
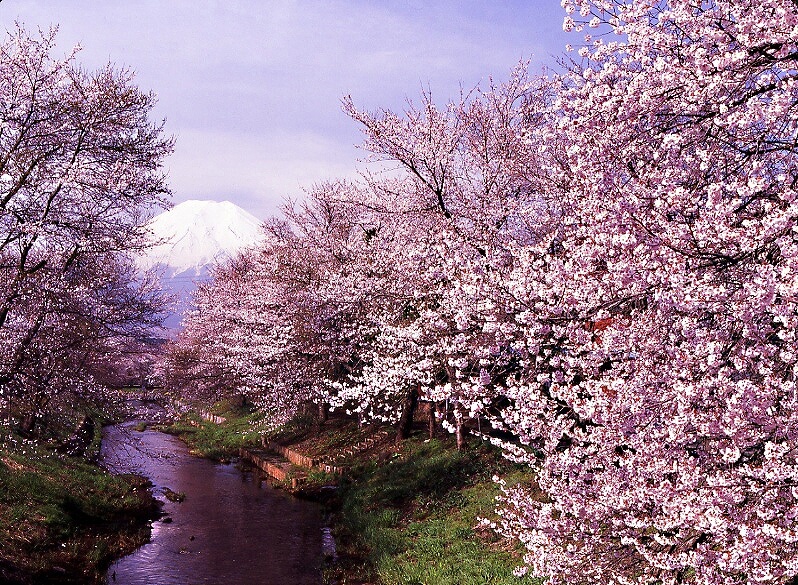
pixel 473 187
pixel 663 419
pixel 216 350
pixel 604 262
pixel 80 169
pixel 283 320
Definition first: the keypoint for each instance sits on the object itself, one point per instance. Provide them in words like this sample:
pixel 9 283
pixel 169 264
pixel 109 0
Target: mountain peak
pixel 195 234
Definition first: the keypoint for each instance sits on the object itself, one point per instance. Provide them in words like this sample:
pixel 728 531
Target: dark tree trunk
pixel 431 422
pixel 82 438
pixel 408 411
pixel 324 412
pixel 27 424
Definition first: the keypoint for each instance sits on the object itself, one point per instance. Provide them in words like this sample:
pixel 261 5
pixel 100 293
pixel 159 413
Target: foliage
pixel 665 410
pixel 80 169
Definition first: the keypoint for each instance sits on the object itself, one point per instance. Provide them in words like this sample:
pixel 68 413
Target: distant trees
pixel 279 323
pixel 604 263
pixel 80 167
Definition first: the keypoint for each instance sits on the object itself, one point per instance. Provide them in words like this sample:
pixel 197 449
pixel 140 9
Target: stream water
pixel 230 529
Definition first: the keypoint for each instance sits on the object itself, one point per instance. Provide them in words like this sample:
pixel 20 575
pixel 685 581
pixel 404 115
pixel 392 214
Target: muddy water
pixel 230 529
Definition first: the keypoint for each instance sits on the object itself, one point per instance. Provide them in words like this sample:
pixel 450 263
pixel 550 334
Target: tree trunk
pixel 431 423
pixel 324 412
pixel 27 424
pixel 408 411
pixel 459 430
pixel 80 440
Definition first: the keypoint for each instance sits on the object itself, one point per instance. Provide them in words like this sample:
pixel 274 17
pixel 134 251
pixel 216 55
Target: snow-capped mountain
pixel 194 234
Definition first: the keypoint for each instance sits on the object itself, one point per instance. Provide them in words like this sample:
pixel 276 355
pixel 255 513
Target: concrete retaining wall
pixel 262 462
pixel 205 415
pixel 300 460
pixel 293 456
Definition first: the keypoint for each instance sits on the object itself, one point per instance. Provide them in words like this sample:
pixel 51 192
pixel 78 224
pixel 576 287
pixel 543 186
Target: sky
pixel 251 89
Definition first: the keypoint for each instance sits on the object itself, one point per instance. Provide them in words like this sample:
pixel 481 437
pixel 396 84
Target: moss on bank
pixel 63 519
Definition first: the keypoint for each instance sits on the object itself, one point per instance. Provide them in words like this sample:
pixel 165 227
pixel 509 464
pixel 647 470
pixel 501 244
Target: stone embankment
pixel 210 417
pixel 288 465
pixel 275 467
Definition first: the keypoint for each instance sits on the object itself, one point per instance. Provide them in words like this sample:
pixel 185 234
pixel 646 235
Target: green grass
pixel 413 521
pixel 243 428
pixel 59 513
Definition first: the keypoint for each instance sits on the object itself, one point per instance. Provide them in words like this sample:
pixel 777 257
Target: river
pixel 230 529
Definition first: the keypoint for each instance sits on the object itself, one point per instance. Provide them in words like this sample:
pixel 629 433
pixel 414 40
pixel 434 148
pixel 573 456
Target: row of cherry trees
pixel 604 263
pixel 80 168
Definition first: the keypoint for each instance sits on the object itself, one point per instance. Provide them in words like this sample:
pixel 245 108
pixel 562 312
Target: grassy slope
pixel 243 428
pixel 414 520
pixel 63 519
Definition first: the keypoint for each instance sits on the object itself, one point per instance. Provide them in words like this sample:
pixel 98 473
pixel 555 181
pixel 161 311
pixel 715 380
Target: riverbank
pixel 414 518
pixel 63 519
pixel 401 515
pixel 241 427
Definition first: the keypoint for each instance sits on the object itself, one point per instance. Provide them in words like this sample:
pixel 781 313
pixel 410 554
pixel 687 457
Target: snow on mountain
pixel 194 234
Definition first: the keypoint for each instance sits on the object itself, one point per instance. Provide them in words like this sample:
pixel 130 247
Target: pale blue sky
pixel 252 89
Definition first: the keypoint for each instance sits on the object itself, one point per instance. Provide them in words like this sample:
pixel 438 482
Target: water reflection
pixel 229 529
